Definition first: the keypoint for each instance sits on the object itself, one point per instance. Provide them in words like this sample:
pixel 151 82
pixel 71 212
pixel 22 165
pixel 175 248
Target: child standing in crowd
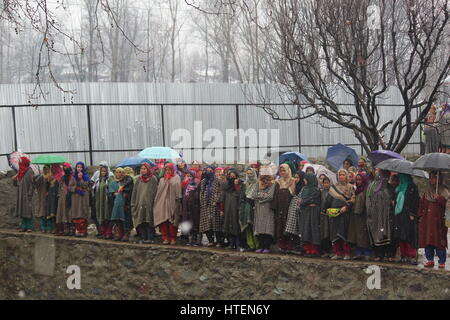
pixel 24 201
pixel 63 215
pixel 80 189
pixel 142 201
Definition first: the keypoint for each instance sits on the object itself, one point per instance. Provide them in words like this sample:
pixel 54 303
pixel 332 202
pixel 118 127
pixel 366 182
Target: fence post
pixel 162 126
pixel 88 112
pixel 299 130
pixel 13 112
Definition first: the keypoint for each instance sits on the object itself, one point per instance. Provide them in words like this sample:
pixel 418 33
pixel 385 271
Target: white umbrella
pixel 319 170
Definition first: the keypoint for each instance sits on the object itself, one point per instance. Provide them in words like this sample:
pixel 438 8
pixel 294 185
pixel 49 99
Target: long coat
pixel 405 229
pixel 280 203
pixel 338 225
pixel 357 230
pixel 380 215
pixel 52 199
pixel 80 203
pixel 167 206
pixel 324 219
pixel 210 219
pixel 309 219
pixel 63 213
pixel 432 229
pixel 40 184
pixel 103 206
pixel 24 199
pixel 231 210
pixel 142 201
pixel 191 208
pixel 264 214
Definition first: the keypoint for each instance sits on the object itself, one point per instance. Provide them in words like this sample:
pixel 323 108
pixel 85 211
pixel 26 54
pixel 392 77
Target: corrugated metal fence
pixel 111 121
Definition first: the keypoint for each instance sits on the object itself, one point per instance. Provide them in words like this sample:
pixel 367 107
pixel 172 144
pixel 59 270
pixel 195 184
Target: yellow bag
pixel 333 212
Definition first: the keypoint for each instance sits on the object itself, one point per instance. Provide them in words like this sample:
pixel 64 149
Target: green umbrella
pixel 48 159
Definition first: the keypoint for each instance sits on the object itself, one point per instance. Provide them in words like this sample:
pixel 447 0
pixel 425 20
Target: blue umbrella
pixel 159 153
pixel 337 154
pixel 134 162
pixel 378 156
pixel 293 156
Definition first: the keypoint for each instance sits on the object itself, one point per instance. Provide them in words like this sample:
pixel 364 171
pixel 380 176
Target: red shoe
pixel 429 264
pixel 441 265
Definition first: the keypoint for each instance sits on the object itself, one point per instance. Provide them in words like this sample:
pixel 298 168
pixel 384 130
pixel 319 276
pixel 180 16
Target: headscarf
pixel 68 172
pixel 119 170
pixel 364 184
pixel 405 182
pixel 442 190
pixel 48 174
pixel 379 182
pixel 251 183
pixel 292 166
pixel 85 175
pixel 231 180
pixel 343 187
pixel 57 172
pixel 312 186
pixel 182 171
pixel 191 184
pixel 169 171
pixel 129 171
pixel 287 182
pixel 300 184
pixel 209 178
pixel 146 178
pixel 24 166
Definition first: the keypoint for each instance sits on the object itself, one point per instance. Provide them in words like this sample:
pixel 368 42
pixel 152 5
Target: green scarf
pixel 309 189
pixel 405 182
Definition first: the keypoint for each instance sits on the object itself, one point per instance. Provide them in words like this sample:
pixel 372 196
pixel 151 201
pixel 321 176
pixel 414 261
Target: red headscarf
pixel 169 174
pixel 57 172
pixel 149 174
pixel 24 165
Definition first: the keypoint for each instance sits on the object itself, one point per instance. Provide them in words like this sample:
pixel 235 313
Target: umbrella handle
pixel 437 182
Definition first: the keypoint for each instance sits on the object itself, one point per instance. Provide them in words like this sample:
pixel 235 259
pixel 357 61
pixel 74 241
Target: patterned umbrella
pixel 134 162
pixel 14 158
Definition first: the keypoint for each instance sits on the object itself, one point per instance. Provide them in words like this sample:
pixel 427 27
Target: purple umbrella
pixel 378 156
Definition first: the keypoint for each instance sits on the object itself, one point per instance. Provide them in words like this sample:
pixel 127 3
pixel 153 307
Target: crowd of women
pixel 368 214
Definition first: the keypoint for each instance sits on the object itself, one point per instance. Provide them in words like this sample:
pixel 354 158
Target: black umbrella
pixel 401 166
pixel 433 161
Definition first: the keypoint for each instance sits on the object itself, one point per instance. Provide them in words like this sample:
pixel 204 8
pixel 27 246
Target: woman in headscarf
pixel 232 193
pixel 379 206
pixel 264 214
pixel 41 185
pixel 167 206
pixel 52 196
pixel 80 188
pixel 432 228
pixel 405 219
pixel 24 200
pixel 211 208
pixel 309 216
pixel 346 164
pixel 358 235
pixel 338 206
pixel 64 224
pixel 284 191
pixel 191 208
pixel 195 166
pixel 325 242
pixel 130 172
pixel 142 200
pixel 103 205
pixel 247 209
pixel 120 190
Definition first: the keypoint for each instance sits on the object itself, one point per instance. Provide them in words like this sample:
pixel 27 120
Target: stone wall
pixel 33 266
